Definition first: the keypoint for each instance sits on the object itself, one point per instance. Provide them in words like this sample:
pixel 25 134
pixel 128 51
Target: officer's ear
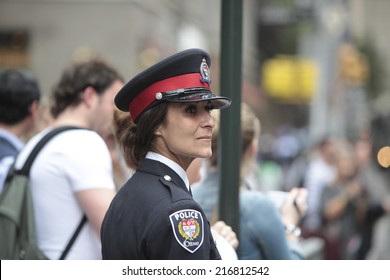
pixel 159 130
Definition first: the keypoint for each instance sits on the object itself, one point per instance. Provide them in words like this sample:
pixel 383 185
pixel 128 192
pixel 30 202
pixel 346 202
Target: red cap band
pixel 148 95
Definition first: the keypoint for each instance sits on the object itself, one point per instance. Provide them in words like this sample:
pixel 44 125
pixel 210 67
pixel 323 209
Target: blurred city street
pixel 313 71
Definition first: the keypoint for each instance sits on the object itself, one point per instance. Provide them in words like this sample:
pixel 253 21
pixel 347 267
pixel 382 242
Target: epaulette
pixel 177 193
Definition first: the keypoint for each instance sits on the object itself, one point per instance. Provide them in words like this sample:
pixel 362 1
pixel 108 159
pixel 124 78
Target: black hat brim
pixel 218 102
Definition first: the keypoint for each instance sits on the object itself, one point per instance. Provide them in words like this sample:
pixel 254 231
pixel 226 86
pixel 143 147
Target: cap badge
pixel 205 72
pixel 158 95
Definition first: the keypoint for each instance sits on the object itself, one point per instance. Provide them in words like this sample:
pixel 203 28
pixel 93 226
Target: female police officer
pixel 154 216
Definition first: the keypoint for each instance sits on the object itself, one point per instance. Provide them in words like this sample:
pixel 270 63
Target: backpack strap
pixel 73 239
pixel 27 165
pixel 26 170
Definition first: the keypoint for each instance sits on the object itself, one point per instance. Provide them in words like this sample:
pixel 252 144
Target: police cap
pixel 182 77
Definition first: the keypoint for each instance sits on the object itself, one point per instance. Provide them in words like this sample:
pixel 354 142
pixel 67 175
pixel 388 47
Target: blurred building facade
pixel 46 35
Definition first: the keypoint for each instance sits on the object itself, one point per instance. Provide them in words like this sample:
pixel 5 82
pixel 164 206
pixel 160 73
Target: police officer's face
pixel 187 132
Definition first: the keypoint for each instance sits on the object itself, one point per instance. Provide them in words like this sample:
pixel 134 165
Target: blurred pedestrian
pixel 154 216
pixel 376 227
pixel 72 175
pixel 343 207
pixel 19 102
pixel 320 172
pixel 266 232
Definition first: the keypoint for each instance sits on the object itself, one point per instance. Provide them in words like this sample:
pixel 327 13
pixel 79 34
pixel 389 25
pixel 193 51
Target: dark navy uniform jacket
pixel 153 216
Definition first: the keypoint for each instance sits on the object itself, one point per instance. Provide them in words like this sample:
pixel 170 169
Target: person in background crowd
pixel 265 233
pixel 153 216
pixel 19 102
pixel 376 227
pixel 72 175
pixel 320 172
pixel 343 206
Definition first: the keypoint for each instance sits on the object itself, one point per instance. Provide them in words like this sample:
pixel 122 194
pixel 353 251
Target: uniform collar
pixel 173 165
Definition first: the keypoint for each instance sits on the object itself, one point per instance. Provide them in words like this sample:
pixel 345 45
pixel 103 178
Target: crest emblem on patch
pixel 188 228
pixel 205 72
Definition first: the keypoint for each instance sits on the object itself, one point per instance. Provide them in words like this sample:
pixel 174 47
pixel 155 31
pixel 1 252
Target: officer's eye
pixel 191 109
pixel 209 107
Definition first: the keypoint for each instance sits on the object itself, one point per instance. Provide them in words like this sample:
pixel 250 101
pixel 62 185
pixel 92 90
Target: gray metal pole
pixel 229 150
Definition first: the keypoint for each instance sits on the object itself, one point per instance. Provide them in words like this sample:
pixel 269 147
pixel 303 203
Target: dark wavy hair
pixel 74 80
pixel 18 90
pixel 135 140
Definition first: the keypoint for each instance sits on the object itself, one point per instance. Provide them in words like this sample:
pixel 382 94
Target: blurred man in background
pixel 19 102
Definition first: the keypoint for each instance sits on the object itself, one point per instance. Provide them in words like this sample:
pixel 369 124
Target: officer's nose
pixel 207 120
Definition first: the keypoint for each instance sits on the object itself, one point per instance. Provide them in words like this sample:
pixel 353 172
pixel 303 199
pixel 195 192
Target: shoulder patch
pixel 188 228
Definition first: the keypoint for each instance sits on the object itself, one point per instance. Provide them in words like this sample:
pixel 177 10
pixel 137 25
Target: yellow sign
pixel 289 79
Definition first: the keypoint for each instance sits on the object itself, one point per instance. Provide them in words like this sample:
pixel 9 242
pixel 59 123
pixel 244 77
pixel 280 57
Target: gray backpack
pixel 17 224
